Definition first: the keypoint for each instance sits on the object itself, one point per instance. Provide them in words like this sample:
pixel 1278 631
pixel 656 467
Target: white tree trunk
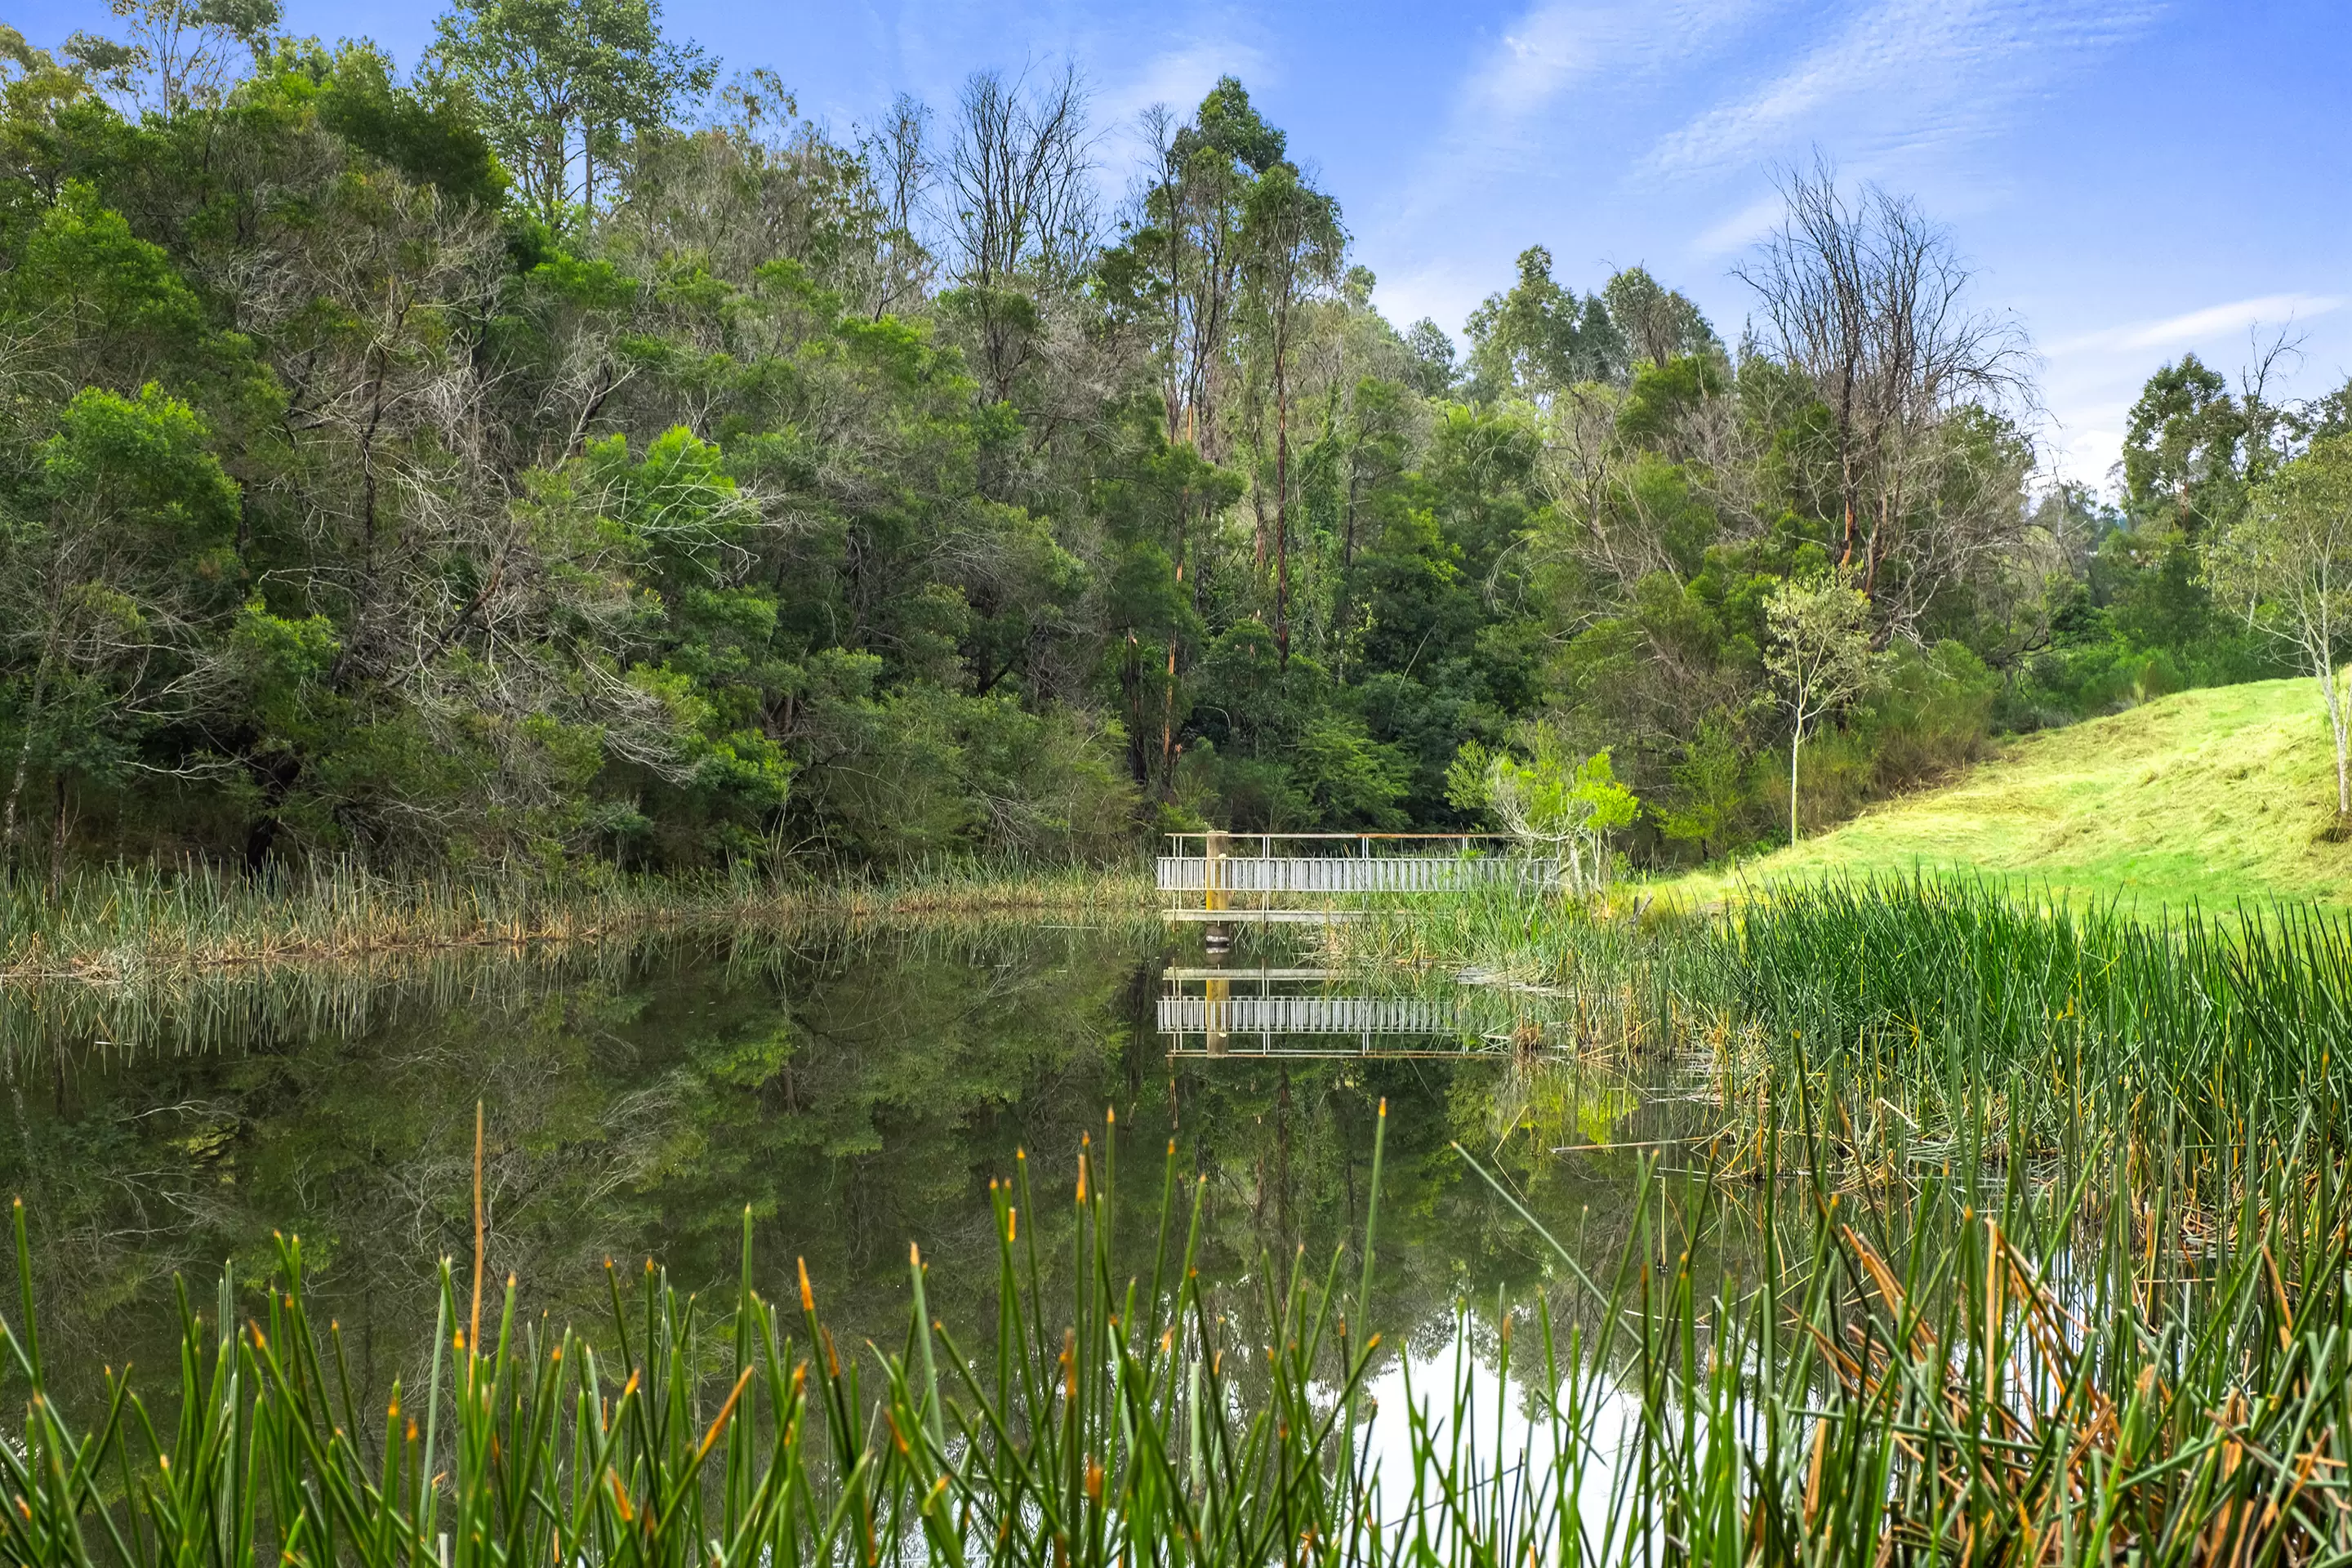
pixel 1795 740
pixel 2329 685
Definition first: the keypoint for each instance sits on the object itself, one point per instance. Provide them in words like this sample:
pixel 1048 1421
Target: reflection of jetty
pixel 1266 1012
pixel 1237 877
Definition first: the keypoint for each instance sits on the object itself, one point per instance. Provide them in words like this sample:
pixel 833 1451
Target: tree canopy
pixel 544 455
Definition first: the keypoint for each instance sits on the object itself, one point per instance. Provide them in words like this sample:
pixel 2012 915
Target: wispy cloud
pixel 1741 228
pixel 2201 325
pixel 1558 44
pixel 1901 73
pixel 1180 78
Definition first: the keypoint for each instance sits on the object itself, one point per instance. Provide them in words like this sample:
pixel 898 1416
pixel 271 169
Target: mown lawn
pixel 2208 796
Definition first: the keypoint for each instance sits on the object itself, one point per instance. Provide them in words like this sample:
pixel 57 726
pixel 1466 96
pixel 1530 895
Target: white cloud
pixel 1180 78
pixel 1900 73
pixel 1558 43
pixel 1741 228
pixel 1445 292
pixel 2201 325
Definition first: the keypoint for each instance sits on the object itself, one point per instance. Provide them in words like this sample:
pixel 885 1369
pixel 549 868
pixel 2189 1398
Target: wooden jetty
pixel 1224 879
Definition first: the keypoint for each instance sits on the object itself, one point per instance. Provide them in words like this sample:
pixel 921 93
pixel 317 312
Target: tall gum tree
pixel 1295 247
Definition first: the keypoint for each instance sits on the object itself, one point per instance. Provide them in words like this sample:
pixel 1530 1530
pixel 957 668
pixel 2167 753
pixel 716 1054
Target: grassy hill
pixel 2212 795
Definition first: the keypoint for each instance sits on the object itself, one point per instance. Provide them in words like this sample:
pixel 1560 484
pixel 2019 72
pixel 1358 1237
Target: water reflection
pixel 852 1090
pixel 1269 1009
pixel 1291 1012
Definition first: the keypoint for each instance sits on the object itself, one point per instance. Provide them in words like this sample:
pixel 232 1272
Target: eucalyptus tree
pixel 561 82
pixel 175 55
pixel 1537 339
pixel 1655 323
pixel 1294 246
pixel 1188 250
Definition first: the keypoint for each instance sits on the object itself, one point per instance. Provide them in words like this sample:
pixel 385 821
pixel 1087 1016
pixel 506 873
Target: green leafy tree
pixel 2193 447
pixel 1657 324
pixel 177 55
pixel 1819 656
pixel 1550 799
pixel 1540 339
pixel 114 566
pixel 561 82
pixel 2287 566
pixel 1293 244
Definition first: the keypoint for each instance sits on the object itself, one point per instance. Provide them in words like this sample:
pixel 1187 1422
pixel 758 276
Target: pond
pixel 853 1089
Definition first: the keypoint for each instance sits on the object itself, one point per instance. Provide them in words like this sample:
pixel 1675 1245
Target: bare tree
pixel 1868 300
pixel 905 169
pixel 1024 222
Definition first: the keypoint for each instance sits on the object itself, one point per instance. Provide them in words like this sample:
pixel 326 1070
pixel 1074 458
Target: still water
pixel 854 1091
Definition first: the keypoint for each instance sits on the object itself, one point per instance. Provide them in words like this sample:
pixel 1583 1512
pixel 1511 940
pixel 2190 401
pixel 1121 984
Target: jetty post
pixel 1219 937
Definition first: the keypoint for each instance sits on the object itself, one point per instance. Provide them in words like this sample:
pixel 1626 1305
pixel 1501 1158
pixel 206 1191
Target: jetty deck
pixel 1244 877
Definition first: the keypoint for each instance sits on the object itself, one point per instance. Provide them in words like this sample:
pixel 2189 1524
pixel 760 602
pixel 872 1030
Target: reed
pixel 118 924
pixel 1943 1019
pixel 2024 1235
pixel 1766 1371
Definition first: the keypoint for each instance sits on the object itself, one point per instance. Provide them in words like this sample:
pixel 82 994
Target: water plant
pixel 1766 1370
pixel 122 924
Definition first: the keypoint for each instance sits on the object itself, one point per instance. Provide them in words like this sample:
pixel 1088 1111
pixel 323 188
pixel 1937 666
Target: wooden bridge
pixel 1238 877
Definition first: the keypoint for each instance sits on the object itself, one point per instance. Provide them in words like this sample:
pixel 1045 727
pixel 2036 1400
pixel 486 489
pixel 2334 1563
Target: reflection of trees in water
pixel 854 1090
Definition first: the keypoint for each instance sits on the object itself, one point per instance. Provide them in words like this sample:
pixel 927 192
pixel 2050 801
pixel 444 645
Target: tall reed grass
pixel 118 924
pixel 1960 1375
pixel 1943 1020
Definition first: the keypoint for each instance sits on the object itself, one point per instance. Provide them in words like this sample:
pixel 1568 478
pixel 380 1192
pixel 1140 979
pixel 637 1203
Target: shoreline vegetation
pixel 1996 1258
pixel 115 924
pixel 1956 1016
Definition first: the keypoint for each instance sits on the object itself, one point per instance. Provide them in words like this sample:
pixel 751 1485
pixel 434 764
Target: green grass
pixel 2213 797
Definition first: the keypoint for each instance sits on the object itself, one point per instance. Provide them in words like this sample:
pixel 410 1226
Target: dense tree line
pixel 546 455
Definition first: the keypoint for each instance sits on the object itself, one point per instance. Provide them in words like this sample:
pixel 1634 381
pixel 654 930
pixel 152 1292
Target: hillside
pixel 2212 795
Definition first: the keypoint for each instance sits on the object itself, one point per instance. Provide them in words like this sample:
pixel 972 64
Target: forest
pixel 558 451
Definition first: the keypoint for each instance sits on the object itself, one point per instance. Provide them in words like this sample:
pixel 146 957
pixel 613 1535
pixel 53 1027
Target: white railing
pixel 1326 874
pixel 1306 1015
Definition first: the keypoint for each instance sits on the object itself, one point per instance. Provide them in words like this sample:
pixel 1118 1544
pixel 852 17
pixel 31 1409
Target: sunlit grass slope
pixel 2216 795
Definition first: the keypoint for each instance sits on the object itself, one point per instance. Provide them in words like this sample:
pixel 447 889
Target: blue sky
pixel 2134 180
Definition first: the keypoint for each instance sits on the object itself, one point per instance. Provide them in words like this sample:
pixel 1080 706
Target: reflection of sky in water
pixel 1467 1408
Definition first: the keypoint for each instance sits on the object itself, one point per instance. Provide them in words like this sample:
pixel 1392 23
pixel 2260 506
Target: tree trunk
pixel 24 765
pixel 1282 492
pixel 2336 722
pixel 58 839
pixel 1795 740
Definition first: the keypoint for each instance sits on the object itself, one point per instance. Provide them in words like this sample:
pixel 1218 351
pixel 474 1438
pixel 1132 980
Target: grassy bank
pixel 118 924
pixel 2211 796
